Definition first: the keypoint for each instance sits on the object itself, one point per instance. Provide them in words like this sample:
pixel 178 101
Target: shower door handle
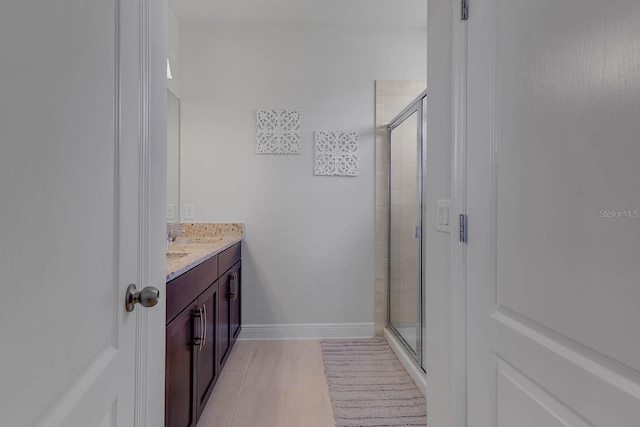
pixel 418 232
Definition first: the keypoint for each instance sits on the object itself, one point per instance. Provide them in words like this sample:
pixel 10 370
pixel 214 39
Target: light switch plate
pixel 444 215
pixel 189 211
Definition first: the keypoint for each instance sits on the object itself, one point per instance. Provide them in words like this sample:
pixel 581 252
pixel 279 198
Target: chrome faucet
pixel 173 234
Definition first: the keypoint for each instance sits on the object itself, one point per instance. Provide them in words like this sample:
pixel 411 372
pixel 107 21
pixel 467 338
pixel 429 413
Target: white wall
pixel 173 115
pixel 173 156
pixel 309 250
pixel 437 185
pixel 173 51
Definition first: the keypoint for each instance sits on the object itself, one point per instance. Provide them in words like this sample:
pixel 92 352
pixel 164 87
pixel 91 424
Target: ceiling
pixel 365 13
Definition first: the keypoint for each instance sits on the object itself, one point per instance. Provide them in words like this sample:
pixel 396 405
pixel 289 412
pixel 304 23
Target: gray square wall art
pixel 278 132
pixel 337 153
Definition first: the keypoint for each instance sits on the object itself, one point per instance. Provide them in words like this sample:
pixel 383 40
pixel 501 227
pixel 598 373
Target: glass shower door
pixel 405 229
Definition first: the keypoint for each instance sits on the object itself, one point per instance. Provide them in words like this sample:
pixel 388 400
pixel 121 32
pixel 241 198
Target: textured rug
pixel 369 386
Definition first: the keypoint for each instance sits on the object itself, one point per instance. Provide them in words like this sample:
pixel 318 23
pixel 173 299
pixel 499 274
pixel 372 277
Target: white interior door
pixel 74 214
pixel 553 257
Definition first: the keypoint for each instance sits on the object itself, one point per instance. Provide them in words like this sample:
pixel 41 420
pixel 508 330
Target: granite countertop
pixel 199 243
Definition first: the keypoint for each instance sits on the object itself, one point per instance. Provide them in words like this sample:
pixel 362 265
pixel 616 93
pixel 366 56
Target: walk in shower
pixel 407 155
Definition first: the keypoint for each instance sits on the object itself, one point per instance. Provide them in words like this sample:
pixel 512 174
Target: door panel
pixel 568 109
pixel 519 395
pixel 580 380
pixel 70 188
pixel 553 210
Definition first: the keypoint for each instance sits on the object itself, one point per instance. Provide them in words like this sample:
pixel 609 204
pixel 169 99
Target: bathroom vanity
pixel 204 295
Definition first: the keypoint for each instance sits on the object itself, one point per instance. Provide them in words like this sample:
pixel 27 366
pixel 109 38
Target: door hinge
pixel 463 228
pixel 464 9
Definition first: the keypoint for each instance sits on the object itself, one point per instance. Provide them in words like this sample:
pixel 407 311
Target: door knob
pixel 147 297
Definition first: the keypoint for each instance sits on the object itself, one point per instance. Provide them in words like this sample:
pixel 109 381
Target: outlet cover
pixel 189 211
pixel 171 211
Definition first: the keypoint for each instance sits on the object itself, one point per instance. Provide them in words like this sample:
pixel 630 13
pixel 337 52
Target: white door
pixel 553 273
pixel 75 199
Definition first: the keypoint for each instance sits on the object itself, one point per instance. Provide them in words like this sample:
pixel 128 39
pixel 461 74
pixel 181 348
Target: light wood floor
pixel 271 384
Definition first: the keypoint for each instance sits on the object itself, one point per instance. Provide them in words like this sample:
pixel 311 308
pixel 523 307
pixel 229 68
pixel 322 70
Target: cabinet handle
pixel 233 286
pixel 204 322
pixel 199 340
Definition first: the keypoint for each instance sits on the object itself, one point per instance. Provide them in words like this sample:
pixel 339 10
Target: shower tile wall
pixel 392 96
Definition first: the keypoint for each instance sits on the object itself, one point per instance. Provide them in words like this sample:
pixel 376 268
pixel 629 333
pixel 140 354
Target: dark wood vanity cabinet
pixel 206 372
pixel 235 304
pixel 198 302
pixel 179 409
pixel 229 307
pixel 229 314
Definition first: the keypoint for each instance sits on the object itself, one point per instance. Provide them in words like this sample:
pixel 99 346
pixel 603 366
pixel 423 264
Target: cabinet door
pixel 223 319
pixel 179 385
pixel 206 372
pixel 235 307
pixel 229 312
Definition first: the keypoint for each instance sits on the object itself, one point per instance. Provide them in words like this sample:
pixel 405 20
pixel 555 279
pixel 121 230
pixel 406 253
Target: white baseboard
pixel 415 372
pixel 292 331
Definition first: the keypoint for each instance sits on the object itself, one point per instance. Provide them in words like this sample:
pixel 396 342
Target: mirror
pixel 173 158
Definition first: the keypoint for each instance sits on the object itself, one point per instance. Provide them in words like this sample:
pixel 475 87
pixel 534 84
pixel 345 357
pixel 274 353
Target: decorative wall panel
pixel 278 132
pixel 337 153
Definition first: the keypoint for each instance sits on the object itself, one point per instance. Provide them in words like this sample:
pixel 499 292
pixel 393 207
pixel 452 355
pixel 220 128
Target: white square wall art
pixel 337 153
pixel 278 132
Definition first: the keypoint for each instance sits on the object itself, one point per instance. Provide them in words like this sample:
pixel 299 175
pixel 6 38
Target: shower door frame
pixel 419 107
